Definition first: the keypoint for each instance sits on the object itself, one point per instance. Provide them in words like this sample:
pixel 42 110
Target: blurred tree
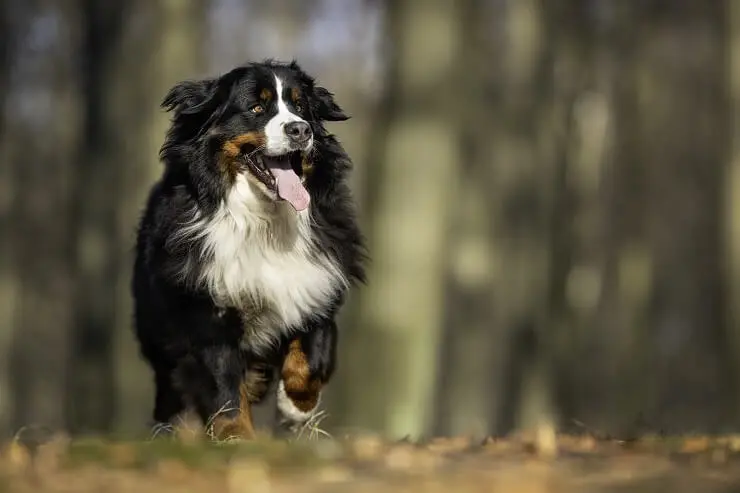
pixel 603 375
pixel 525 175
pixel 42 213
pixel 98 174
pixel 8 279
pixel 6 41
pixel 391 365
pixel 732 192
pixel 287 20
pixel 684 130
pixel 515 199
pixel 162 44
pixel 471 344
pixel 572 142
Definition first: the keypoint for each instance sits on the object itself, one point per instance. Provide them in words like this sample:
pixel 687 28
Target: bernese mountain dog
pixel 246 249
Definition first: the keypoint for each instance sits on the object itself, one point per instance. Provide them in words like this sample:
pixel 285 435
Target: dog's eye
pixel 299 107
pixel 257 108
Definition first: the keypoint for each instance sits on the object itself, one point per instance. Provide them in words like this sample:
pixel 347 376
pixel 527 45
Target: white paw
pixel 289 409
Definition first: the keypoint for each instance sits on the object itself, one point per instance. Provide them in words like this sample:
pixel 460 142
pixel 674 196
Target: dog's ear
pixel 199 103
pixel 326 108
pixel 194 96
pixel 190 96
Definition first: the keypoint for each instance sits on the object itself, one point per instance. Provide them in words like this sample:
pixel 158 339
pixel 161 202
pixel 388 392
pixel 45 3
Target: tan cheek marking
pixel 232 148
pixel 229 167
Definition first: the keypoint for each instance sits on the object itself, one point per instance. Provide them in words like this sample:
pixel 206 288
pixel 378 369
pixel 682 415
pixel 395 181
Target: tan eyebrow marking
pixel 295 94
pixel 266 94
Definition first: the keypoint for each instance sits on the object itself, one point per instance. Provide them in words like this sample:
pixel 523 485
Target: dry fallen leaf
pixel 172 470
pixel 334 474
pixel 17 456
pixel 546 441
pixel 586 444
pixel 366 448
pixel 695 445
pixel 400 458
pixel 427 462
pixel 498 445
pixel 122 455
pixel 50 454
pixel 719 456
pixel 450 445
pixel 734 443
pixel 249 476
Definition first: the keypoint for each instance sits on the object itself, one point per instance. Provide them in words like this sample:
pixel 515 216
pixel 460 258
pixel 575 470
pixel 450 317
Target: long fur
pixel 263 262
pixel 224 276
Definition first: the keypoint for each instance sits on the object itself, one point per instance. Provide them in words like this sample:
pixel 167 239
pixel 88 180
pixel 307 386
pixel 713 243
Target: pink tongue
pixel 290 188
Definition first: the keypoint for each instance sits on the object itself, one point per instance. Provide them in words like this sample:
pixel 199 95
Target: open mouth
pixel 281 175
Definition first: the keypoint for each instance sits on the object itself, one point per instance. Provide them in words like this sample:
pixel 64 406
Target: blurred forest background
pixel 550 188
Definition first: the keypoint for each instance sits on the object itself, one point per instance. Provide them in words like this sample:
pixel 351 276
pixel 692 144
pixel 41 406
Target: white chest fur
pixel 260 258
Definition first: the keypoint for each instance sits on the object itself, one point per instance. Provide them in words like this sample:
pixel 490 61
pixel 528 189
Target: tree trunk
pixel 390 371
pixel 519 183
pixel 45 236
pixel 98 250
pixel 8 275
pixel 607 384
pixel 168 50
pixel 469 348
pixel 732 195
pixel 684 123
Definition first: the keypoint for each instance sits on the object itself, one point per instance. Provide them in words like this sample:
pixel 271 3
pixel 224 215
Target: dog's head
pixel 260 120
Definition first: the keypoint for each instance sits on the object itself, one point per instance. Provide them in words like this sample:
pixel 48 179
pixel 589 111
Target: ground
pixel 360 464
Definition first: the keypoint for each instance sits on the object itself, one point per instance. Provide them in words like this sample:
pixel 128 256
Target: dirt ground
pixel 361 464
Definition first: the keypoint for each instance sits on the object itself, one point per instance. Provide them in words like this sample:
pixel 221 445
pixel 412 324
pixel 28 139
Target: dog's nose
pixel 298 132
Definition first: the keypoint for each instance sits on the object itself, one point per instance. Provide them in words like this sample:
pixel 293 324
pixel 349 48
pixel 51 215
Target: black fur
pixel 193 346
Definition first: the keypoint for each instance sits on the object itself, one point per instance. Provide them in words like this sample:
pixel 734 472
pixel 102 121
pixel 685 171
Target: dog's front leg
pixel 308 365
pixel 225 407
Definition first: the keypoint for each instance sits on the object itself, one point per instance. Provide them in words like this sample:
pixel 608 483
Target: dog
pixel 246 249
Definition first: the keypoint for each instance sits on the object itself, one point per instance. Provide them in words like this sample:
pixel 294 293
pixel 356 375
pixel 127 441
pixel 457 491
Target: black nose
pixel 298 132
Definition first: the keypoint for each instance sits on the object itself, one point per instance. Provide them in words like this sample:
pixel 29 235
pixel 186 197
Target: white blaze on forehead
pixel 282 107
pixel 277 141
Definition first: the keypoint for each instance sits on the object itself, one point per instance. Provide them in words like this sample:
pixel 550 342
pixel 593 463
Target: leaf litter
pixel 314 461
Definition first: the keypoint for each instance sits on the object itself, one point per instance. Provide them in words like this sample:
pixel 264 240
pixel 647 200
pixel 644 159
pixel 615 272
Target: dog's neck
pixel 250 246
pixel 255 215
